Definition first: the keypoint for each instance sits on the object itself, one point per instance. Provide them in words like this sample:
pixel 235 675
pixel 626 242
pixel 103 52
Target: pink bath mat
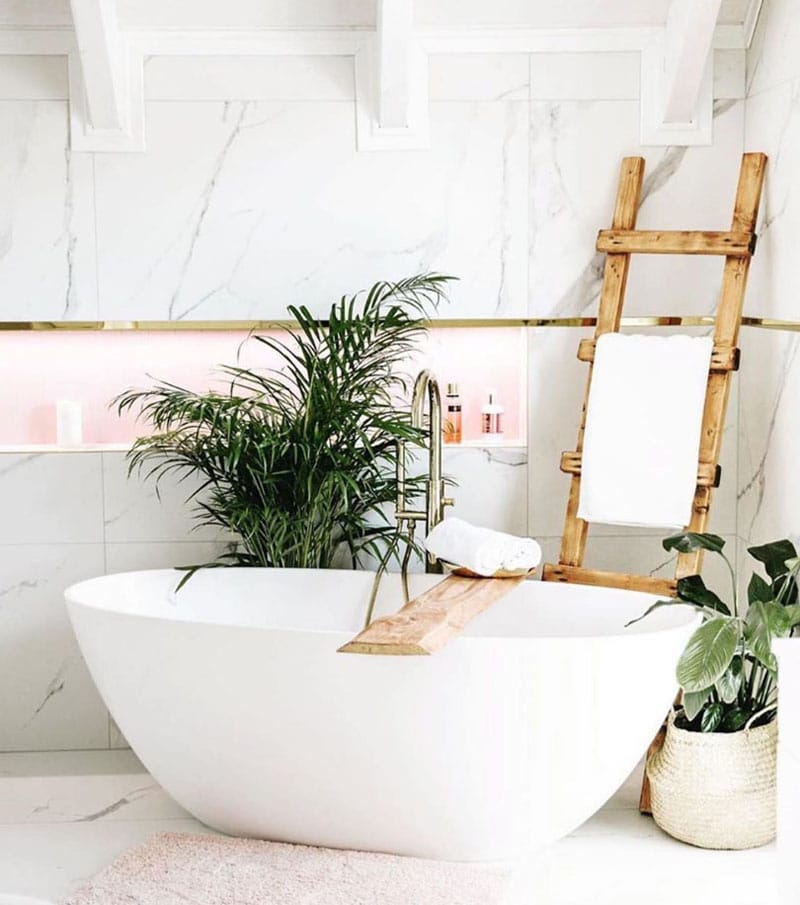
pixel 177 868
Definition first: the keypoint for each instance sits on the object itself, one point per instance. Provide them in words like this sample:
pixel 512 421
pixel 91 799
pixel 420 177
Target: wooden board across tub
pixel 428 622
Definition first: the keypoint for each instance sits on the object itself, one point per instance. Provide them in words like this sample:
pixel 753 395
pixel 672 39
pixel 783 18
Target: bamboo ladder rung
pixel 723 358
pixel 738 243
pixel 428 622
pixel 708 474
pixel 664 587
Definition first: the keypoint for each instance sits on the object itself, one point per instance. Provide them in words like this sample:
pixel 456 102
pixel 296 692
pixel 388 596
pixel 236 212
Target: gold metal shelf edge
pixel 256 325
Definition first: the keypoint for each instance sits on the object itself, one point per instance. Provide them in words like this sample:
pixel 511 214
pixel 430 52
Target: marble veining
pixel 239 209
pixel 203 206
pixel 47 229
pixel 55 686
pixel 571 140
pixel 755 484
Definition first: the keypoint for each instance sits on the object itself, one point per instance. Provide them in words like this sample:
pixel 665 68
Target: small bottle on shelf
pixel 69 423
pixel 492 419
pixel 452 414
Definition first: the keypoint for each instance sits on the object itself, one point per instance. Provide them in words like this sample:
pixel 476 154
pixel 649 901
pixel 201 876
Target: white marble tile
pixel 557 384
pixel 135 511
pixel 102 798
pixel 53 498
pixel 769 494
pixel 773 126
pixel 47 235
pixel 269 78
pixel 730 71
pixel 627 869
pixel 33 78
pixel 644 555
pixel 585 76
pixel 478 77
pixel 576 148
pixel 239 209
pixel 44 764
pixel 492 487
pixel 47 697
pixel 132 556
pixel 772 58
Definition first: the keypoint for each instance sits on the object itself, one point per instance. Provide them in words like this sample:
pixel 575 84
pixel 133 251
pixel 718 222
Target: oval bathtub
pixel 233 695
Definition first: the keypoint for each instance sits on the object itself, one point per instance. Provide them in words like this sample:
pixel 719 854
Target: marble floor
pixel 65 815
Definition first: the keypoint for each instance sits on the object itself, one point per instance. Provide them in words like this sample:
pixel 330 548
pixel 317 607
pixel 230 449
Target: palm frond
pixel 298 460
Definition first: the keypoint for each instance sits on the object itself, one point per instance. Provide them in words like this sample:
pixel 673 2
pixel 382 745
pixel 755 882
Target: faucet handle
pixel 448 501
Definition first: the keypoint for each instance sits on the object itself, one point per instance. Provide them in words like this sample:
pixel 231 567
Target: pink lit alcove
pixel 90 367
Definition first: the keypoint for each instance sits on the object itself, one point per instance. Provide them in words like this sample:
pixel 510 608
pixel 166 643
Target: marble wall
pixel 769 492
pixel 251 195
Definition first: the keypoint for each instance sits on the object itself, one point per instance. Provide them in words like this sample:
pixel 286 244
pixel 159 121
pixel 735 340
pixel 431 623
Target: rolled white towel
pixel 482 550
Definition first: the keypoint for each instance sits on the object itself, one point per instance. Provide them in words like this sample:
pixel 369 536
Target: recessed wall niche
pixel 90 367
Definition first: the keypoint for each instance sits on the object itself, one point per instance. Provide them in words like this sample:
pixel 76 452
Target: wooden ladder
pixel 619 243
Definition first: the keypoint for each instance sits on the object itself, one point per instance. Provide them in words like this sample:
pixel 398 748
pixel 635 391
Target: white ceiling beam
pixel 688 41
pixel 102 60
pixel 106 82
pixel 677 85
pixel 394 35
pixel 392 82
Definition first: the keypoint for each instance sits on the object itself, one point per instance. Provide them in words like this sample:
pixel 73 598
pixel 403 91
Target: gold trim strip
pixel 254 325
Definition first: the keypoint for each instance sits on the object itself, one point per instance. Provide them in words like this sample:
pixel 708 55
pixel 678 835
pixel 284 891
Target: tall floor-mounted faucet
pixel 435 499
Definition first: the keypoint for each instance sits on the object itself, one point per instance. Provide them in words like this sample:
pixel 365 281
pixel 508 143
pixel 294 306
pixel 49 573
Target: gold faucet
pixel 435 499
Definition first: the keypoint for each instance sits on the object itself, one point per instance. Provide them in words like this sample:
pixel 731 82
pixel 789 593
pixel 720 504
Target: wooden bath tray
pixel 428 622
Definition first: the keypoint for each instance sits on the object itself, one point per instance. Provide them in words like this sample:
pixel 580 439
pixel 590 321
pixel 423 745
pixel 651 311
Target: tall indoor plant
pixel 298 461
pixel 713 782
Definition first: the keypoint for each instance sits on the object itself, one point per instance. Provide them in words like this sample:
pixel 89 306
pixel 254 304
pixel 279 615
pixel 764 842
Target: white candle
pixel 69 423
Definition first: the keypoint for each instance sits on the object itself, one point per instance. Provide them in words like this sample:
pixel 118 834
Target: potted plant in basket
pixel 713 782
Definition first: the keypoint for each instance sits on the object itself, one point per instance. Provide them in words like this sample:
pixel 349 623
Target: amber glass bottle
pixel 452 414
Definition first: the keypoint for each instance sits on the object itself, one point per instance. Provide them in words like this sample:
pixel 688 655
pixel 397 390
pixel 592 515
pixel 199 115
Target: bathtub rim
pixel 71 595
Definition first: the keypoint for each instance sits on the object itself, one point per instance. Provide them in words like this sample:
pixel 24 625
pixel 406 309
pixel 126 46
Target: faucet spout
pixel 426 388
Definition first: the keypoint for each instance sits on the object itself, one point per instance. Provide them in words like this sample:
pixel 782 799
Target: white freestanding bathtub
pixel 232 693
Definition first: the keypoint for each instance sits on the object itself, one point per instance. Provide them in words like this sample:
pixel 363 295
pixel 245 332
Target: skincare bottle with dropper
pixel 492 419
pixel 452 414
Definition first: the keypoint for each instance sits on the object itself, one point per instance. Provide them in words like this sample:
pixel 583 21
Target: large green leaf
pixel 693 589
pixel 774 556
pixel 689 541
pixel 779 618
pixel 734 719
pixel 785 588
pixel 712 717
pixel 758 589
pixel 793 614
pixel 708 653
pixel 758 635
pixel 730 681
pixel 694 701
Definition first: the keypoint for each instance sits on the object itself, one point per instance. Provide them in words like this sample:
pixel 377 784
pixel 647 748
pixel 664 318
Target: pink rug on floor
pixel 177 868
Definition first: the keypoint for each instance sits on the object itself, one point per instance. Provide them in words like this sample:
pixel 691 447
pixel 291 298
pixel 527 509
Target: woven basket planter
pixel 716 789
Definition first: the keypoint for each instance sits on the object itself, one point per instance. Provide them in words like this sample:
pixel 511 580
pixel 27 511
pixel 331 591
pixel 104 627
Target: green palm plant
pixel 298 462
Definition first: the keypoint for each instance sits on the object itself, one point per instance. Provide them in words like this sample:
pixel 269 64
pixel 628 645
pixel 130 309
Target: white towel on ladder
pixel 643 422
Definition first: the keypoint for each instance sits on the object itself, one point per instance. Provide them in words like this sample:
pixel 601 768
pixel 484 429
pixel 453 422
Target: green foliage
pixel 708 653
pixel 298 462
pixel 727 671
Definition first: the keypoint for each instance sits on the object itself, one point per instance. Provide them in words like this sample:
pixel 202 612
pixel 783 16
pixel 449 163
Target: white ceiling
pixel 327 13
